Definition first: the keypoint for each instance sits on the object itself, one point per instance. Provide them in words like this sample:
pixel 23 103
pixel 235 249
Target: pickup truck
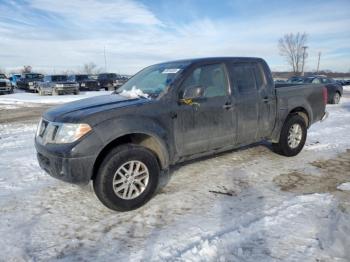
pixel 110 81
pixel 5 85
pixel 57 85
pixel 86 83
pixel 169 113
pixel 29 81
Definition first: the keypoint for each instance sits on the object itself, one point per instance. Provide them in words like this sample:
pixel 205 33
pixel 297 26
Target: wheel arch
pixel 301 111
pixel 149 141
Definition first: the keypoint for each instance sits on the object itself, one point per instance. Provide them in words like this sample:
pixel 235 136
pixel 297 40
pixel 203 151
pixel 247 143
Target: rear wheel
pixel 127 178
pixel 336 98
pixel 292 137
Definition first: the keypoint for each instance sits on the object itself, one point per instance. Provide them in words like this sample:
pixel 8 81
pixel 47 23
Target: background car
pixel 111 81
pixel 86 83
pixel 5 85
pixel 335 90
pixel 57 85
pixel 13 79
pixel 29 81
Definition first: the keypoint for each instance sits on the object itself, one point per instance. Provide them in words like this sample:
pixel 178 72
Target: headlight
pixel 61 133
pixel 68 133
pixel 59 85
pixel 8 83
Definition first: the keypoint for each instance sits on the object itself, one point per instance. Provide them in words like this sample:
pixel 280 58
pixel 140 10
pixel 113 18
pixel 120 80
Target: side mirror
pixel 193 92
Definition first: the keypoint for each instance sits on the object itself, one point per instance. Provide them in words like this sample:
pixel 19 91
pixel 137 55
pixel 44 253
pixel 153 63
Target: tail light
pixel 325 95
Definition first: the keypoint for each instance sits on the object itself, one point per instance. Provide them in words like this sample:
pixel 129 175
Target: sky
pixel 56 36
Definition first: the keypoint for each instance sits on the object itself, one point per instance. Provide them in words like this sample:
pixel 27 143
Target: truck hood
pixel 5 80
pixel 77 111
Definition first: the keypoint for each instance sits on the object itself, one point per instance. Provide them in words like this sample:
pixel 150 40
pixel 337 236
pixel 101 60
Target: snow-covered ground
pixel 21 98
pixel 245 205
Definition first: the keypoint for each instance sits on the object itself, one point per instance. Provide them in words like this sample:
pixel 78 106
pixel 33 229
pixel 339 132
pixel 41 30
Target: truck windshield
pixel 81 77
pixel 33 76
pixel 2 76
pixel 59 78
pixel 153 80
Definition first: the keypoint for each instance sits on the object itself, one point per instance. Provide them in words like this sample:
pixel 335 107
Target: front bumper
pixel 71 170
pixel 69 162
pixel 5 89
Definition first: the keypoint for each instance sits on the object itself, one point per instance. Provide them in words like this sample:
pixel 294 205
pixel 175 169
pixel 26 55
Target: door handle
pixel 227 106
pixel 266 100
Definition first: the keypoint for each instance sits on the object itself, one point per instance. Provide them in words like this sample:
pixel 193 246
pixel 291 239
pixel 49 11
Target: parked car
pixel 57 85
pixel 86 83
pixel 279 81
pixel 335 90
pixel 111 81
pixel 29 81
pixel 341 82
pixel 13 78
pixel 5 85
pixel 169 113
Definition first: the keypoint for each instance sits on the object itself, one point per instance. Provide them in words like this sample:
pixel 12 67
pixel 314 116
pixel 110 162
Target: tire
pixel 76 92
pixel 285 146
pixel 108 172
pixel 336 98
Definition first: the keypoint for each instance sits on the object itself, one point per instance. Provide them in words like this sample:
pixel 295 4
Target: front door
pixel 207 123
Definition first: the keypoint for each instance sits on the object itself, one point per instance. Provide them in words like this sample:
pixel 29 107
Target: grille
pixel 2 84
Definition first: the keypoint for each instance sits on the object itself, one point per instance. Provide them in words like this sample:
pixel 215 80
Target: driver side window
pixel 212 78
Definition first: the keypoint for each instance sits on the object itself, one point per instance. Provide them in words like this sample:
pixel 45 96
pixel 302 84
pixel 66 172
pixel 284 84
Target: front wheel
pixel 127 178
pixel 292 137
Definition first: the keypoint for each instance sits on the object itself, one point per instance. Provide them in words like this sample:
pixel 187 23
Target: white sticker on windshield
pixel 171 71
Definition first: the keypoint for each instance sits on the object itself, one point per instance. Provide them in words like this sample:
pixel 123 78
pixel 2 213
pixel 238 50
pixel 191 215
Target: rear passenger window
pixel 260 76
pixel 244 77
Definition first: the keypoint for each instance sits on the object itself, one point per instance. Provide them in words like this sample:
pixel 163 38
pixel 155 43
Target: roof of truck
pixel 214 59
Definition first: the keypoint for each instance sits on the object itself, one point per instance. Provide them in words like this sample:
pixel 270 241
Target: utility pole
pixel 304 52
pixel 104 51
pixel 318 63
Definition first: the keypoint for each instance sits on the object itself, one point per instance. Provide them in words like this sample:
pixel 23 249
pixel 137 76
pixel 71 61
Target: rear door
pixel 266 100
pixel 247 97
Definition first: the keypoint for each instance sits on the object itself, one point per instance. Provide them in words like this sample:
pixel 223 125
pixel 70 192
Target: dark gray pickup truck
pixel 169 113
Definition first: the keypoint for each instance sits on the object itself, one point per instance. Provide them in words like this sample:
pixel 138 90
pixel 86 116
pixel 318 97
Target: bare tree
pixel 91 68
pixel 26 69
pixel 292 48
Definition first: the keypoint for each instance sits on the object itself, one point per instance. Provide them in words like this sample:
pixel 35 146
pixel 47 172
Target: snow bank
pixel 344 186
